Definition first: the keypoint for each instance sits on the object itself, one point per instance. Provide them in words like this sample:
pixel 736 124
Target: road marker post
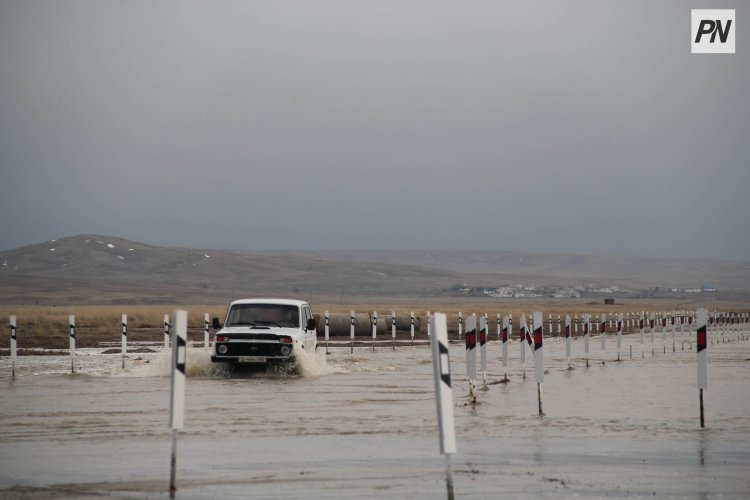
pixel 13 339
pixel 539 356
pixel 471 355
pixel 443 394
pixel 124 339
pixel 72 334
pixel 177 399
pixel 702 350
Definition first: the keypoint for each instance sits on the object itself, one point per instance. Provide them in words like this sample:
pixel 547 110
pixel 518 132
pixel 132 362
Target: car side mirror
pixel 216 324
pixel 311 324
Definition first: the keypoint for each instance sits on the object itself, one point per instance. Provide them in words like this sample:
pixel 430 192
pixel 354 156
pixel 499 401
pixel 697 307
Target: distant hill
pixel 104 269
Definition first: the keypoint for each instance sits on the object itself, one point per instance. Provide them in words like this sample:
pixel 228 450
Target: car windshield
pixel 263 315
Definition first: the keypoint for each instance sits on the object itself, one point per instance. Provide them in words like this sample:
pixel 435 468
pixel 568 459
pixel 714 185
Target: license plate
pixel 252 359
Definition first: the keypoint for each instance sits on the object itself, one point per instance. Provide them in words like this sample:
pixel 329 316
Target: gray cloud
pixel 576 127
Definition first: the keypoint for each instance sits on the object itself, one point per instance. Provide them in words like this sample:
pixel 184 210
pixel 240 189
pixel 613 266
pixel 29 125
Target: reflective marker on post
pixel 702 348
pixel 13 346
pixel 177 400
pixel 72 330
pixel 443 393
pixel 124 339
pixel 471 355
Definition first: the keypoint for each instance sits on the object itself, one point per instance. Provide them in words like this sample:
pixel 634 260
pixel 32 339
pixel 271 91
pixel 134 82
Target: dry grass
pixel 47 327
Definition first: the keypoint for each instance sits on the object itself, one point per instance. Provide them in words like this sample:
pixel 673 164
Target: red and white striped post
pixel 124 338
pixel 702 349
pixel 72 334
pixel 539 356
pixel 443 394
pixel 13 346
pixel 471 355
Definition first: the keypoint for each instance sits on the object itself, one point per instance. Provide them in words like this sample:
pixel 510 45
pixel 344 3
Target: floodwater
pixel 363 425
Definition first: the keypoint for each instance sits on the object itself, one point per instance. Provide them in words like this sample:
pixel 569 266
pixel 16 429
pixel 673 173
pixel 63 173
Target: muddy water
pixel 363 425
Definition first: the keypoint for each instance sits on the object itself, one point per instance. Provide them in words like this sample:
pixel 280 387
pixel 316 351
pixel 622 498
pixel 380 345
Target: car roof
pixel 285 302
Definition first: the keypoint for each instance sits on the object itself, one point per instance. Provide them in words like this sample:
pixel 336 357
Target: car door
pixel 311 336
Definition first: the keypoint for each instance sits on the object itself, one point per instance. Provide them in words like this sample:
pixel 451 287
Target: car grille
pixel 250 349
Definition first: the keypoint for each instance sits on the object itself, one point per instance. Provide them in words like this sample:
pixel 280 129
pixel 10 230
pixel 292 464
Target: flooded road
pixel 364 425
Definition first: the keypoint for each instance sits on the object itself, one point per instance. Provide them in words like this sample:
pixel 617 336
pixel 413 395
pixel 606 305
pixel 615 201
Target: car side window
pixel 306 315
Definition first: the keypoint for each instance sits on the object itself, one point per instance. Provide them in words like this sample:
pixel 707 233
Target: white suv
pixel 264 331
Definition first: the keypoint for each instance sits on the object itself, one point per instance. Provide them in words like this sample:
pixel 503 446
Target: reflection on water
pixel 628 423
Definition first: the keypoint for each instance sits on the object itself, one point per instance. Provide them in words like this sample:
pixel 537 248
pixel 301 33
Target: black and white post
pixel 586 335
pixel 206 337
pixel 568 346
pixel 166 331
pixel 522 338
pixel 539 356
pixel 619 335
pixel 124 339
pixel 471 356
pixel 177 400
pixel 351 331
pixel 374 328
pixel 460 326
pixel 72 333
pixel 702 349
pixel 443 394
pixel 483 347
pixel 506 330
pixel 411 332
pixel 393 329
pixel 13 346
pixel 327 327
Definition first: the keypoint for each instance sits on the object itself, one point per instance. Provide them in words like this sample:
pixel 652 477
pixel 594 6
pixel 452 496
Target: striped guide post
pixel 13 346
pixel 539 356
pixel 412 329
pixel 374 328
pixel 586 336
pixel 429 333
pixel 664 329
pixel 177 399
pixel 672 317
pixel 522 338
pixel 651 323
pixel 327 330
pixel 702 349
pixel 559 327
pixel 471 355
pixel 575 325
pixel 72 334
pixel 460 325
pixel 618 324
pixel 393 328
pixel 166 331
pixel 499 327
pixel 483 346
pixel 568 346
pixel 206 337
pixel 351 331
pixel 506 329
pixel 603 331
pixel 443 394
pixel 124 339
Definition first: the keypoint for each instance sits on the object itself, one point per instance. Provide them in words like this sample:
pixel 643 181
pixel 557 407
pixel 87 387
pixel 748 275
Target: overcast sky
pixel 579 127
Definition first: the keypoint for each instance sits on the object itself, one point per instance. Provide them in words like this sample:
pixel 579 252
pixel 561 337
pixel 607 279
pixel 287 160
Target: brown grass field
pixel 47 326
